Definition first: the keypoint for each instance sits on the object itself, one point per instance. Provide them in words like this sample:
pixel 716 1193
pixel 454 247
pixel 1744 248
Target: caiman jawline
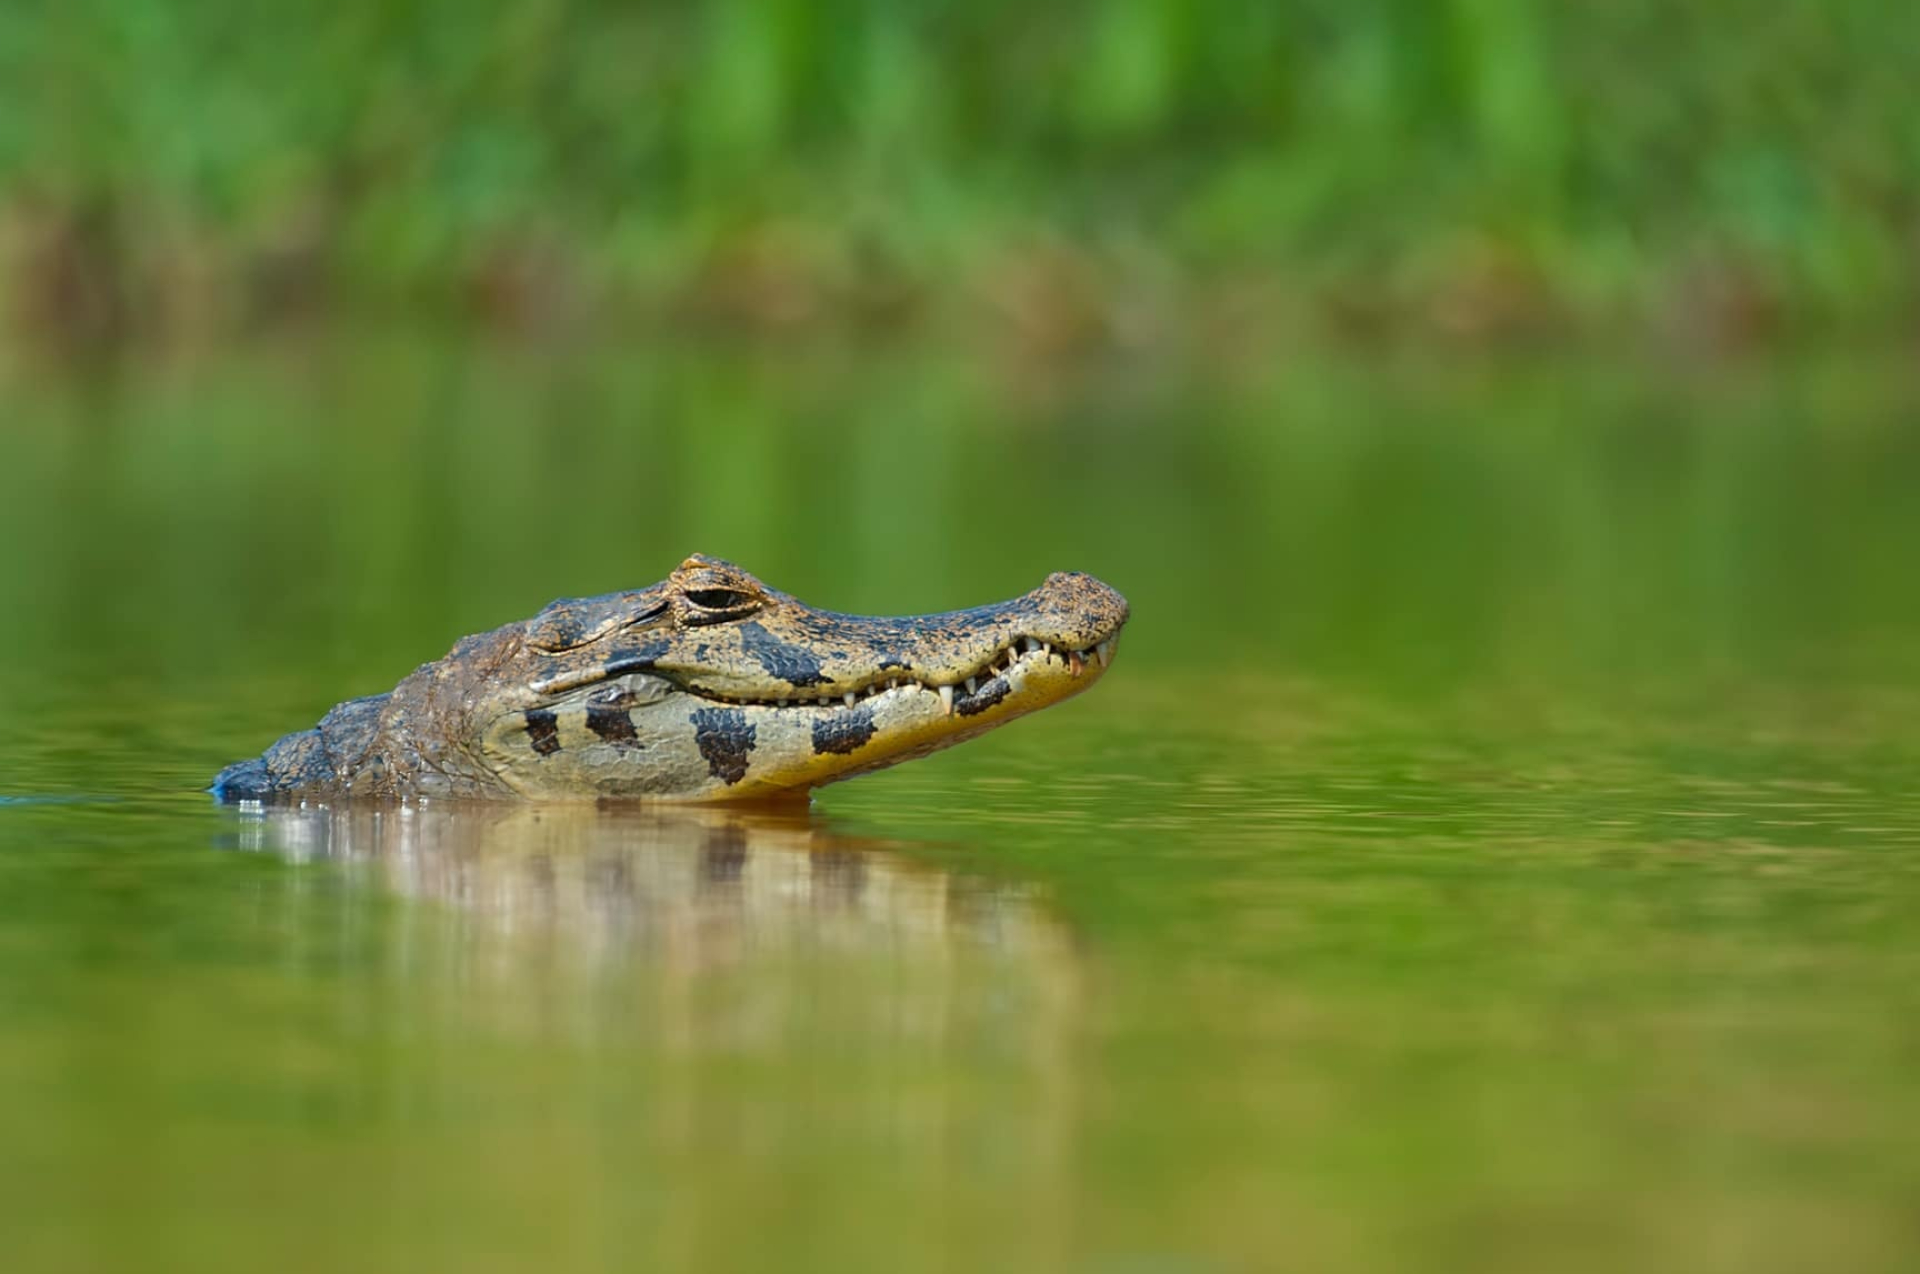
pixel 960 689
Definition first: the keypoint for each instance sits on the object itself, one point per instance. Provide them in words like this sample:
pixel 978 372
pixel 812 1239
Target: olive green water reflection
pixel 1496 848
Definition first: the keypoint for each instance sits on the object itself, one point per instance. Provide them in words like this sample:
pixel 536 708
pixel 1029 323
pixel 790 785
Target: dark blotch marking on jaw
pixel 544 729
pixel 843 732
pixel 724 737
pixel 983 698
pixel 613 725
pixel 795 665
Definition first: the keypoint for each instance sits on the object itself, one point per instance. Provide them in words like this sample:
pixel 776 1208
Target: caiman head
pixel 712 686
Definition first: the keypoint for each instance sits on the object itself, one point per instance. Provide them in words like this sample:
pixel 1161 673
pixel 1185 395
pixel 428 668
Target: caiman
pixel 708 686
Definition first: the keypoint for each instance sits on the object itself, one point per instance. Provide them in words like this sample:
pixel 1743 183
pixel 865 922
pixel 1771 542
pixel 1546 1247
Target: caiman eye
pixel 719 598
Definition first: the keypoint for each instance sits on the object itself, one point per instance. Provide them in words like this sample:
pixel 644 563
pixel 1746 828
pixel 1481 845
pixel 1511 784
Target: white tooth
pixel 1104 651
pixel 893 683
pixel 946 700
pixel 1046 650
pixel 783 703
pixel 822 701
pixel 849 698
pixel 972 684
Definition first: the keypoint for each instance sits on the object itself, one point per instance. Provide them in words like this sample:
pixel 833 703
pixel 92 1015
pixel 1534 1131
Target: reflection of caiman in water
pixel 684 1020
pixel 689 886
pixel 707 686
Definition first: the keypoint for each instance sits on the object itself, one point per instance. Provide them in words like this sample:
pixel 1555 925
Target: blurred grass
pixel 1114 171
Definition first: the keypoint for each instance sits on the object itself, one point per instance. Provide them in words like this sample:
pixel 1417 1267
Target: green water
pixel 1497 846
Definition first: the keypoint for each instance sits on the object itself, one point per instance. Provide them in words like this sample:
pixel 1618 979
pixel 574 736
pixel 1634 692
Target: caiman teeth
pixel 946 701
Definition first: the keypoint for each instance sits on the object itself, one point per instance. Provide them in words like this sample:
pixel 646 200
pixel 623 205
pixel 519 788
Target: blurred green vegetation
pixel 1112 171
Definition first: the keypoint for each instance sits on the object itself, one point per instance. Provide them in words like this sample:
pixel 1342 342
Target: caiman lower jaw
pixel 960 693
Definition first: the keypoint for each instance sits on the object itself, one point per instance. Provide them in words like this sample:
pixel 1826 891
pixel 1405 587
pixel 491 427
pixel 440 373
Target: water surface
pixel 1496 847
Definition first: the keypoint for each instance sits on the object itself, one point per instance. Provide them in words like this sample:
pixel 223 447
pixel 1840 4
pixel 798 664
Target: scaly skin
pixel 708 686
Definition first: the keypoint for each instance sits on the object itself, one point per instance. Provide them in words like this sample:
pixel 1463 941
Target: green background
pixel 1077 172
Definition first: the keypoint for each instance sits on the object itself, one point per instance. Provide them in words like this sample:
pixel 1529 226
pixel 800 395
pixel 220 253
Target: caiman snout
pixel 1084 610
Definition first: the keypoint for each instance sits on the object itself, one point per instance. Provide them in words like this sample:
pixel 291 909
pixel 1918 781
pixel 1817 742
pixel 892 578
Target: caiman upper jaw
pixel 962 684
